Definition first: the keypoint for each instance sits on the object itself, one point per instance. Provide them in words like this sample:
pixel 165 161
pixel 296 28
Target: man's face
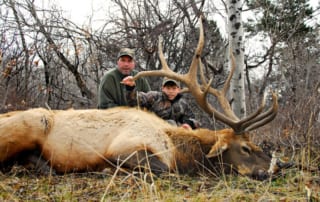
pixel 125 64
pixel 171 91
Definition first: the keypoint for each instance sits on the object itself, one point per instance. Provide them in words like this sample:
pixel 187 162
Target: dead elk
pixel 84 140
pixel 89 140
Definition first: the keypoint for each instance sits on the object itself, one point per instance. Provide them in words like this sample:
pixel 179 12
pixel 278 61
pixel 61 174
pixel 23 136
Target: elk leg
pixel 143 160
pixel 30 159
pixel 40 164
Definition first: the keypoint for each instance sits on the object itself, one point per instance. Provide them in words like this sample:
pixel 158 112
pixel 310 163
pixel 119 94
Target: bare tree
pixel 236 38
pixel 54 48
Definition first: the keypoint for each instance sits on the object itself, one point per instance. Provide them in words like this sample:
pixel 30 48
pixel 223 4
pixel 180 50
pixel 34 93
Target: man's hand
pixel 186 126
pixel 128 80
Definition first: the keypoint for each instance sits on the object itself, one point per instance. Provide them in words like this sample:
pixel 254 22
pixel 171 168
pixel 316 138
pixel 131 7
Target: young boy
pixel 167 104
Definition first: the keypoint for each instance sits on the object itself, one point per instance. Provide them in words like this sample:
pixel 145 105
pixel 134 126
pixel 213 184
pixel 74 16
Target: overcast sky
pixel 78 10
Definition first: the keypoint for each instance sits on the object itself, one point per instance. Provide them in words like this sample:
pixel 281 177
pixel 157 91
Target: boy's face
pixel 171 91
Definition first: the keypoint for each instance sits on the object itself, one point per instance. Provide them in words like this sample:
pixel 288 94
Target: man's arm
pixel 142 84
pixel 105 97
pixel 104 102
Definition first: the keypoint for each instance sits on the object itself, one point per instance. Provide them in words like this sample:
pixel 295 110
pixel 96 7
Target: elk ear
pixel 217 149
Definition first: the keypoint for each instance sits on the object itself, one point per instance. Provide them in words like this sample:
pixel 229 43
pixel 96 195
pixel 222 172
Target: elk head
pixel 239 127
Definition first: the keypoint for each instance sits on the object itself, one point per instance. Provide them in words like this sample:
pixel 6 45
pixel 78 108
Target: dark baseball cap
pixel 167 80
pixel 126 51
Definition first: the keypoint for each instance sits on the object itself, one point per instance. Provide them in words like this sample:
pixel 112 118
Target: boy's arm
pixel 189 117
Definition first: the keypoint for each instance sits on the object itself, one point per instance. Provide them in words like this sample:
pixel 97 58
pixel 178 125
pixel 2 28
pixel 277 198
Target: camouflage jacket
pixel 177 110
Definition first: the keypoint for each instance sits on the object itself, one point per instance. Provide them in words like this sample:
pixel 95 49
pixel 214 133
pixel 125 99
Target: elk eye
pixel 246 149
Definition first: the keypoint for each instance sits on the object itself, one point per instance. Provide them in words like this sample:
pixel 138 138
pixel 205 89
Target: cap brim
pixel 125 55
pixel 172 81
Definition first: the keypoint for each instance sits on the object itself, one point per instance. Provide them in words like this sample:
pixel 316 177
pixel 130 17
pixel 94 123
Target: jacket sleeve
pixel 131 97
pixel 188 116
pixel 142 99
pixel 106 96
pixel 145 85
pixel 142 85
pixel 105 102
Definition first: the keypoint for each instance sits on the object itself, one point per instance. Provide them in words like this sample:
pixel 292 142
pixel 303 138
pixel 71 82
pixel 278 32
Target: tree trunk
pixel 236 38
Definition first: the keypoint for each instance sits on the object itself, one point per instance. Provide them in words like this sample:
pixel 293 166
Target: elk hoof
pixel 260 175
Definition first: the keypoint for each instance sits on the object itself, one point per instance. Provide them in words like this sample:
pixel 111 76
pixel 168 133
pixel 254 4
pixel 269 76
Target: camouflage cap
pixel 166 80
pixel 126 51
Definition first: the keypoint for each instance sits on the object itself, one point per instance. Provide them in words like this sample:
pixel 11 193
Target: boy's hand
pixel 128 80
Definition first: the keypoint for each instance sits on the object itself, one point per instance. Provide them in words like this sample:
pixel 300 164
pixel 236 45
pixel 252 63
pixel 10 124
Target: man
pixel 167 104
pixel 112 92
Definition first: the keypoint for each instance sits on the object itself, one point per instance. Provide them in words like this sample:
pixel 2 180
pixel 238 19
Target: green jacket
pixel 112 93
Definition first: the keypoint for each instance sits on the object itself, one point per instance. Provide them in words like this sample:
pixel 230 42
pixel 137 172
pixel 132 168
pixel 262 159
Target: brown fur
pixel 80 140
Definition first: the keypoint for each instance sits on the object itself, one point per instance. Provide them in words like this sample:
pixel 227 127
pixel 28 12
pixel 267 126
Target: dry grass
pixel 22 185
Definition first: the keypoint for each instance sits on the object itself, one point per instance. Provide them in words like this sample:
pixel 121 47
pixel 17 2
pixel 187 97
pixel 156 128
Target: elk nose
pixel 260 174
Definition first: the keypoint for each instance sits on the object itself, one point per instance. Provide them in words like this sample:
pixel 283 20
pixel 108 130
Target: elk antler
pixel 253 121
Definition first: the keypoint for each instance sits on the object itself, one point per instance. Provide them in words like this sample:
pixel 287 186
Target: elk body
pixel 80 140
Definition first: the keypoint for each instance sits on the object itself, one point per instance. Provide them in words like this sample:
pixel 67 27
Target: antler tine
pixel 263 118
pixel 201 96
pixel 251 122
pixel 202 77
pixel 256 113
pixel 164 71
pixel 231 118
pixel 193 70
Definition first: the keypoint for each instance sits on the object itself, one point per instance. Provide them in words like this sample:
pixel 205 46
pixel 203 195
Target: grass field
pixel 290 185
pixel 298 183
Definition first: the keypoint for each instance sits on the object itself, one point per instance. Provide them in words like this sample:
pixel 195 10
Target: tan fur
pixel 78 140
pixel 23 130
